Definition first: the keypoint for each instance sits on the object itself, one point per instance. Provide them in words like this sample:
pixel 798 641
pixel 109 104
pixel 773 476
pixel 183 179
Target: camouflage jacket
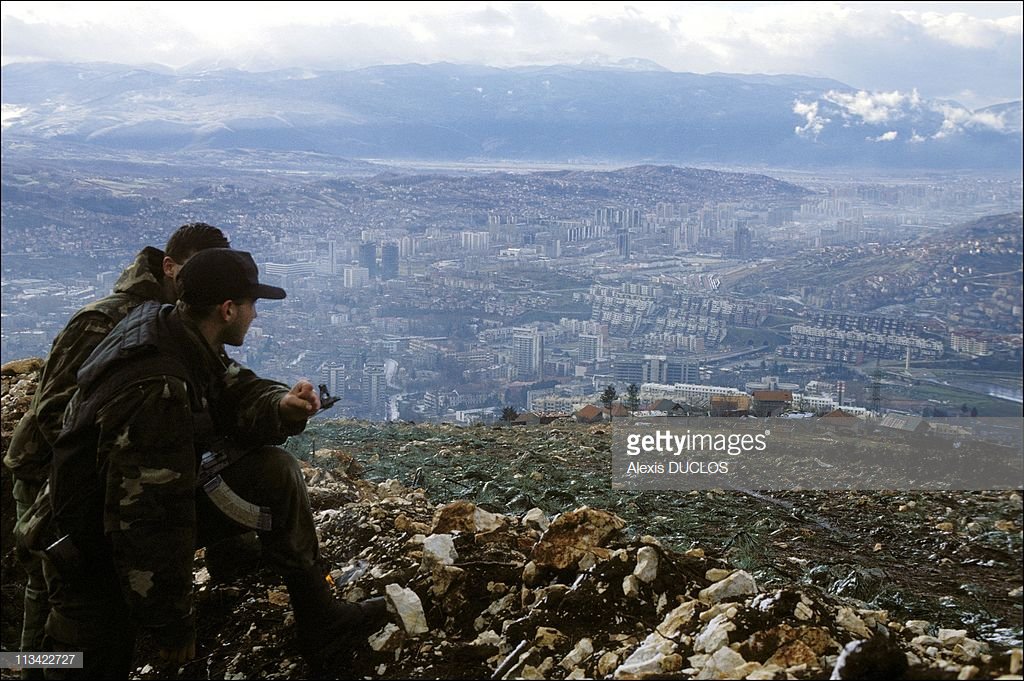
pixel 126 464
pixel 31 447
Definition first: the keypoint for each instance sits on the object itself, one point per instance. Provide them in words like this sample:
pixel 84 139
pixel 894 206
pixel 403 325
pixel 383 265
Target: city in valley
pixel 470 293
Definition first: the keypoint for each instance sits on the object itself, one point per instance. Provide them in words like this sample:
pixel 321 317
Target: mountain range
pixel 554 113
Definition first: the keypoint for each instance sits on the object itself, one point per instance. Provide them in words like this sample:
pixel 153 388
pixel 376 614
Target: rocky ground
pixel 505 554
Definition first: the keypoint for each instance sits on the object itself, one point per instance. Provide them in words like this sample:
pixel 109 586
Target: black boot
pixel 330 631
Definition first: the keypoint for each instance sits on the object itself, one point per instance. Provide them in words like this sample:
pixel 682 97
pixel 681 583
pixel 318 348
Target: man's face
pixel 242 313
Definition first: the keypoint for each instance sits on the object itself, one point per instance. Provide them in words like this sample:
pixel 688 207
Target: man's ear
pixel 170 267
pixel 227 310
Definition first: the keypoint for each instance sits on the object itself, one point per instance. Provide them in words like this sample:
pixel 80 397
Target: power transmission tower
pixel 876 386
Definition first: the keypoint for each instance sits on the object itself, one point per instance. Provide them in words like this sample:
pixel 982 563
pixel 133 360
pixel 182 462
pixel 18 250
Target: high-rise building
pixel 333 374
pixel 389 261
pixel 368 258
pixel 743 242
pixel 528 353
pixel 622 240
pixel 356 277
pixel 591 347
pixel 475 241
pixel 373 387
pixel 325 257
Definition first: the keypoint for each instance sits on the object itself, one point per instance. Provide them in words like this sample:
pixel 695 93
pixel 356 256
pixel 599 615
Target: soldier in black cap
pixel 167 445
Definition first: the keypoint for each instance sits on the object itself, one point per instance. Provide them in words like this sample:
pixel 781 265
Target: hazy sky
pixel 967 51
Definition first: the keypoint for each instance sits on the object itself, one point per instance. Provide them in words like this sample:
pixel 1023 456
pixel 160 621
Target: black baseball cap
pixel 214 275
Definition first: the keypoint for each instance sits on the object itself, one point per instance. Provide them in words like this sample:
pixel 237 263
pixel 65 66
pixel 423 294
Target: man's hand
pixel 181 654
pixel 300 403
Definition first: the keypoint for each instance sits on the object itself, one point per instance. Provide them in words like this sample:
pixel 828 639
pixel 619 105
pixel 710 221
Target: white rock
pixel 388 638
pixel 646 564
pixel 407 606
pixel 744 671
pixel 950 637
pixel 530 574
pixel 850 621
pixel 646 660
pixel 918 627
pixel 442 577
pixel 439 549
pixel 739 583
pixel 802 612
pixel 698 661
pixel 548 637
pixel 583 650
pixel 968 672
pixel 969 649
pixel 722 664
pixel 1015 660
pixel 925 641
pixel 607 663
pixel 537 519
pixel 714 635
pixel 488 638
pixel 631 586
pixel 716 610
pixel 486 521
pixel 674 622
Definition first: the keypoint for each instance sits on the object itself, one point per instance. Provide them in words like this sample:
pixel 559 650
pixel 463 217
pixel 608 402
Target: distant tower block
pixel 373 386
pixel 906 365
pixel 389 254
pixel 528 353
pixel 368 258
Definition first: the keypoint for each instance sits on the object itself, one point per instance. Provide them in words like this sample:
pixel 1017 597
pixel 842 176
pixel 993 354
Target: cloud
pixel 874 107
pixel 962 30
pixel 884 137
pixel 11 113
pixel 814 123
pixel 869 46
pixel 956 119
pixel 929 119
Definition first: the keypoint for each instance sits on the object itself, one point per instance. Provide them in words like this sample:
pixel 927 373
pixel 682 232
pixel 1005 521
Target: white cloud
pixel 962 30
pixel 892 109
pixel 10 113
pixel 874 107
pixel 956 119
pixel 815 123
pixel 870 46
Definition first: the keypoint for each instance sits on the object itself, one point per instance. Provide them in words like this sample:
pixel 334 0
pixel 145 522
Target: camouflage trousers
pixel 90 615
pixel 36 604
